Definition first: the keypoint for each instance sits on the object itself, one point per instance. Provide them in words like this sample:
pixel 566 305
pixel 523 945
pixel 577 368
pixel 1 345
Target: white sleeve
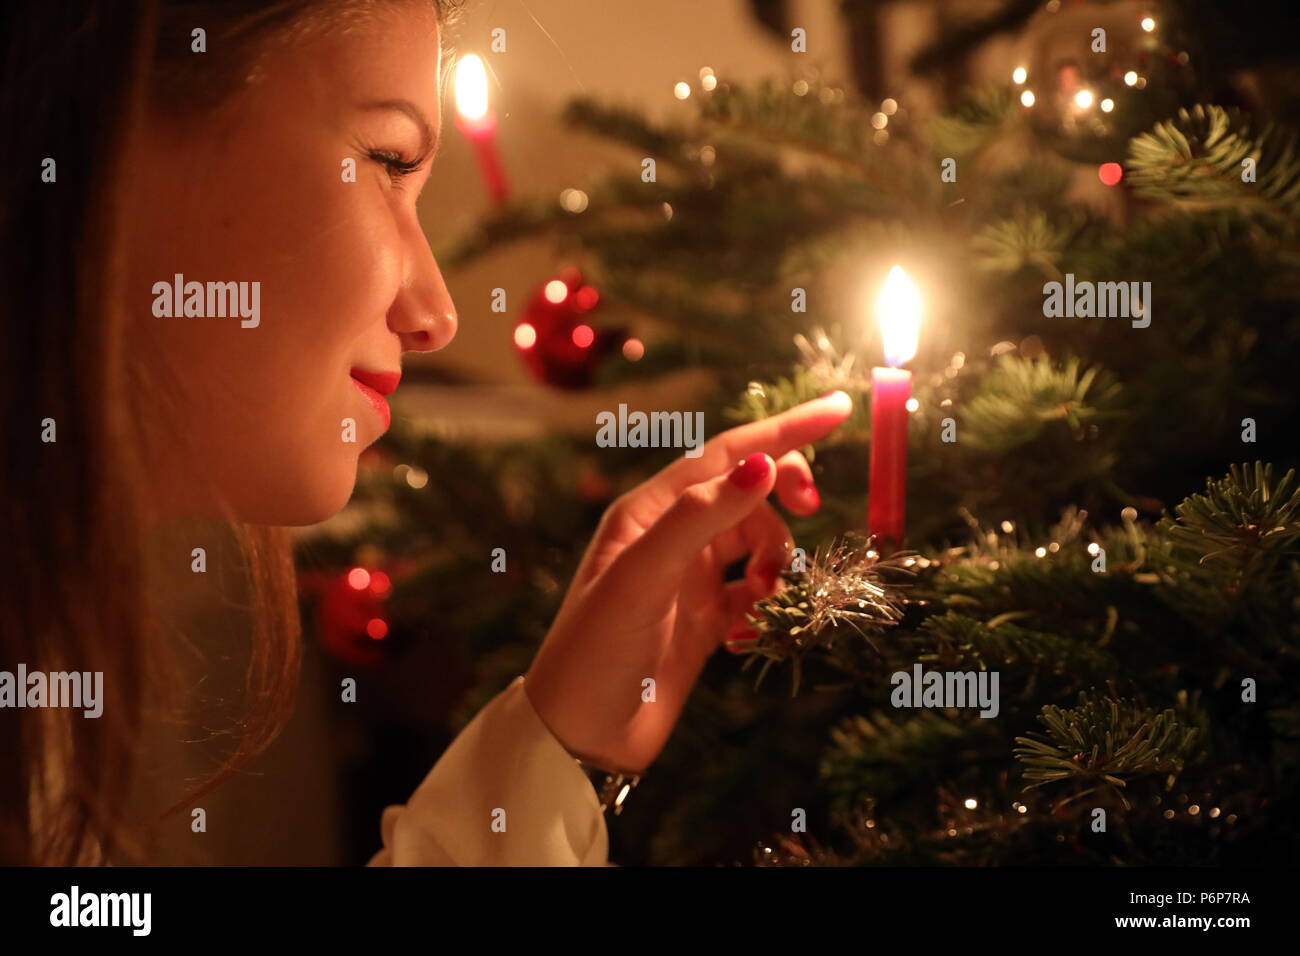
pixel 505 793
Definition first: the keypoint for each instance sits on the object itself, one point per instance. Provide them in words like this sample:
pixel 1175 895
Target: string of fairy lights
pixel 1085 99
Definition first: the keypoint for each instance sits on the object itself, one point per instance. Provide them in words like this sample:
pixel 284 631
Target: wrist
pixel 593 762
pixel 589 760
pixel 611 782
pixel 612 787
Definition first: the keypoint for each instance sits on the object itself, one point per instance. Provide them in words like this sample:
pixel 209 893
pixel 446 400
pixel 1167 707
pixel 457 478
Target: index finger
pixel 793 428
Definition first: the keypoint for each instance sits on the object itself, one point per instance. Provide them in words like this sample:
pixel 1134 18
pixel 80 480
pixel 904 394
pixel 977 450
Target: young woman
pixel 139 156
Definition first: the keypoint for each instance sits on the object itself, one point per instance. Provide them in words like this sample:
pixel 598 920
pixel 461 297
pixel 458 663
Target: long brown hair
pixel 73 568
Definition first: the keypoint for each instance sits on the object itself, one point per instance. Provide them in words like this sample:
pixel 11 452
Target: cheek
pixel 327 314
pixel 325 254
pixel 322 304
pixel 267 402
pixel 331 266
pixel 342 271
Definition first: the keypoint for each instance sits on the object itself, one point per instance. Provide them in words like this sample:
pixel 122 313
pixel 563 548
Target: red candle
pixel 482 136
pixel 477 122
pixel 890 390
pixel 899 311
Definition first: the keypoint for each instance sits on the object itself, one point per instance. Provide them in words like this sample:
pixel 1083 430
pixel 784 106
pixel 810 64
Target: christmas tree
pixel 1090 522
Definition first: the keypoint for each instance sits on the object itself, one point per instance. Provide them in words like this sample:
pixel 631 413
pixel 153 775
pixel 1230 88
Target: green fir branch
pixel 821 122
pixel 1195 161
pixel 961 641
pixel 1229 556
pixel 629 127
pixel 878 757
pixel 1241 520
pixel 1104 743
pixel 979 120
pixel 1021 398
pixel 1026 239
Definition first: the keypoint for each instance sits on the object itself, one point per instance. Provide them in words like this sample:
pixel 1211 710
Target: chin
pixel 331 501
pixel 319 497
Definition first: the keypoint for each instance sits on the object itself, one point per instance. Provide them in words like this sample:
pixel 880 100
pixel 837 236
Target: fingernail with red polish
pixel 770 573
pixel 809 491
pixel 751 471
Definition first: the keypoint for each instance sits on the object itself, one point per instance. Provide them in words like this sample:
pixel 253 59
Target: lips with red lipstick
pixel 374 386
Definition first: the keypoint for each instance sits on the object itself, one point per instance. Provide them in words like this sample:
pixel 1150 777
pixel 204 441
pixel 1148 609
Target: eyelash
pixel 393 162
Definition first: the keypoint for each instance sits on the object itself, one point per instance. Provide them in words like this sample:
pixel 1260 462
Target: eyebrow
pixel 430 139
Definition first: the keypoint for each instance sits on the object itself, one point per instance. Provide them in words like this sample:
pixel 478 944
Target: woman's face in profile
pixel 262 191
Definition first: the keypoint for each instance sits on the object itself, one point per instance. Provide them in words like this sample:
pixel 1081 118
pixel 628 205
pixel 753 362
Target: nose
pixel 422 314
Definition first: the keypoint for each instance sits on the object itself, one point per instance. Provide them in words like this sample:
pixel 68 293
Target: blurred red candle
pixel 475 119
pixel 899 312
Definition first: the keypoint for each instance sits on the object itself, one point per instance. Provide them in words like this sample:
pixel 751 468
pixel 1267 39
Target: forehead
pixel 374 50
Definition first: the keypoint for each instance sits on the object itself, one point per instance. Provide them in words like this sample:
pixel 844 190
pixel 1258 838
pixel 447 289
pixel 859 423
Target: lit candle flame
pixel 899 311
pixel 471 88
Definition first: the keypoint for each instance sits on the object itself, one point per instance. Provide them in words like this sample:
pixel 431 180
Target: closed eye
pixel 395 163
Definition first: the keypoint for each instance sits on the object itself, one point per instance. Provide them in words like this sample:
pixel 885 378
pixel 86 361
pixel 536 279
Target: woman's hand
pixel 649 599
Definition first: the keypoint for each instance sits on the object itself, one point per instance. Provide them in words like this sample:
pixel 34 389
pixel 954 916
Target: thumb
pixel 701 513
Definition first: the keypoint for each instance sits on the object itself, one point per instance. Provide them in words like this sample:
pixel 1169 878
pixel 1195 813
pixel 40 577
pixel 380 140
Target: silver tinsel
pixel 844 586
pixel 824 363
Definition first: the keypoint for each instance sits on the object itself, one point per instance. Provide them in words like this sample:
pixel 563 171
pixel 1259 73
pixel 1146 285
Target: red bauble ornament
pixel 555 338
pixel 352 621
pixel 1110 173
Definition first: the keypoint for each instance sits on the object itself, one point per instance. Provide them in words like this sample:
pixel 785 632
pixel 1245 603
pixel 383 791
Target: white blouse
pixel 505 793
